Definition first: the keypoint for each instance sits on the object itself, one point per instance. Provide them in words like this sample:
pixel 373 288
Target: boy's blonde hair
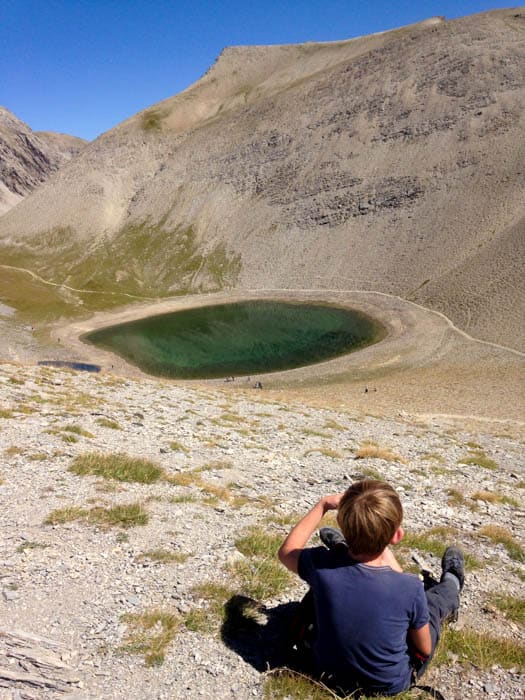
pixel 369 514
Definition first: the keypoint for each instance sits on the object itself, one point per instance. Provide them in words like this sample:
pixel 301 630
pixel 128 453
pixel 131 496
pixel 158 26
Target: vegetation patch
pixel 177 446
pixel 164 556
pixel 108 423
pixel 511 606
pixel 501 535
pixel 149 634
pixel 369 450
pixel 77 430
pixel 480 649
pixel 30 545
pixel 325 452
pixel 479 459
pixel 435 541
pixel 126 516
pixel 212 598
pixel 119 466
pixel 491 497
pixel 151 120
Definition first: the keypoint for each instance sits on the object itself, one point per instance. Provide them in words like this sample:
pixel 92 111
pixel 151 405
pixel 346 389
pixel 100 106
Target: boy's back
pixel 363 615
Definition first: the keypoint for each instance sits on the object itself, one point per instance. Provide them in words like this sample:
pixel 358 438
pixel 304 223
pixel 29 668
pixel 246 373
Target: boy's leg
pixel 443 598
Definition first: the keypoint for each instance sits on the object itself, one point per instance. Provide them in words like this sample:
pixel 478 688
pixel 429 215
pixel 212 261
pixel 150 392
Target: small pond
pixel 238 339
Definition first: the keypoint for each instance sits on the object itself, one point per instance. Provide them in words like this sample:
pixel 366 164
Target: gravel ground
pixel 71 583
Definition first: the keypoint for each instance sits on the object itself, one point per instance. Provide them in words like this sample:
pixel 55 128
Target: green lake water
pixel 238 339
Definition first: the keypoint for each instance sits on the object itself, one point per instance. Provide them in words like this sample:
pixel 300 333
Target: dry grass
pixel 491 497
pixel 164 556
pixel 368 450
pixel 108 423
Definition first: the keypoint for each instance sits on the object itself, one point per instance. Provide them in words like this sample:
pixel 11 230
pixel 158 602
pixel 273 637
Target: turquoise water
pixel 238 339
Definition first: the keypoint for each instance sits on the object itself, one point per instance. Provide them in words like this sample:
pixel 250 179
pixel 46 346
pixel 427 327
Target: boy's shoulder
pixel 317 559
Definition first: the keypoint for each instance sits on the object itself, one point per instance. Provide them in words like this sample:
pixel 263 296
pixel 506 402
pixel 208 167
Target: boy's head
pixel 369 515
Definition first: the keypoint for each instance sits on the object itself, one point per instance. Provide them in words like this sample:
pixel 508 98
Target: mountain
pixel 393 162
pixel 27 158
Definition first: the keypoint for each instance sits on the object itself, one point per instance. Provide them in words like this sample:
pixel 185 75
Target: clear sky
pixel 82 66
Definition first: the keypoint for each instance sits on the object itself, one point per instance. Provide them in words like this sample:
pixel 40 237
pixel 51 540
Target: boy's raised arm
pixel 291 548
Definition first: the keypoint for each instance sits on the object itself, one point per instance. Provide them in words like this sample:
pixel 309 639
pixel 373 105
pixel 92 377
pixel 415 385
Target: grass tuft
pixel 369 450
pixel 501 535
pixel 479 459
pixel 126 515
pixel 149 634
pixel 164 556
pixel 108 423
pixel 511 606
pixel 481 650
pixel 119 466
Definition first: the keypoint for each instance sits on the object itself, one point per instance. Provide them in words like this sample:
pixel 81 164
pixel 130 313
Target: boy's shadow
pixel 257 633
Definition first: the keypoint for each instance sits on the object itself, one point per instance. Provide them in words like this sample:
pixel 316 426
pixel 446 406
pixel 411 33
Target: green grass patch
pixel 479 459
pixel 108 423
pixel 501 535
pixel 77 430
pixel 481 650
pixel 119 466
pixel 435 541
pixel 256 543
pixel 177 446
pixel 511 606
pixel 208 618
pixel 30 545
pixel 261 578
pixel 149 634
pixel 6 413
pixel 126 515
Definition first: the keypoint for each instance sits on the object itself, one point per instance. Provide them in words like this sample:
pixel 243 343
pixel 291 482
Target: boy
pixel 373 623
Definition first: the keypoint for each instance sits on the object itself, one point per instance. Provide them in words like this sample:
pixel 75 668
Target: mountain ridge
pixel 27 157
pixel 390 163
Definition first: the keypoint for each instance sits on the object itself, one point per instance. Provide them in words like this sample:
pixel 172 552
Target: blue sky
pixel 82 66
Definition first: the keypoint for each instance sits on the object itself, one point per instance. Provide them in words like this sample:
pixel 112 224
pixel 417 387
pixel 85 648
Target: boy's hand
pixel 291 548
pixel 331 502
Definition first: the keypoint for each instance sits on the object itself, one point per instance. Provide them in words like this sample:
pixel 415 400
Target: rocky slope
pixel 27 158
pixel 392 162
pixel 235 459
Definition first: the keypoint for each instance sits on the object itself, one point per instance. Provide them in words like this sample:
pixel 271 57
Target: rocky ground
pixel 235 458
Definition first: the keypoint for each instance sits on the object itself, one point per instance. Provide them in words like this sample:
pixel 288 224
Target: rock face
pixel 27 158
pixel 391 163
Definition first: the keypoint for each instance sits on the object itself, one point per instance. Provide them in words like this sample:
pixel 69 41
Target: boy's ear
pixel 397 536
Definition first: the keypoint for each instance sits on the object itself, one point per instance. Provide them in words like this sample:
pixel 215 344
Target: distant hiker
pixel 366 390
pixel 257 385
pixel 366 626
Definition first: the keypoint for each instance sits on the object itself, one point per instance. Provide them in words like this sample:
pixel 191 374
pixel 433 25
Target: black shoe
pixel 453 562
pixel 331 537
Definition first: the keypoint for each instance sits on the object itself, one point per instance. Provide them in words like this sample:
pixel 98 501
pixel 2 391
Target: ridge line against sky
pixel 82 66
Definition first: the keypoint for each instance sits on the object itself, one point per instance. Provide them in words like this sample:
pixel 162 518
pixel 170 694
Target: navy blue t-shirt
pixel 363 614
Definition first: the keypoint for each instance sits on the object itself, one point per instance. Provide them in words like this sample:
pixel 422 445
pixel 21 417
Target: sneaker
pixel 453 562
pixel 331 537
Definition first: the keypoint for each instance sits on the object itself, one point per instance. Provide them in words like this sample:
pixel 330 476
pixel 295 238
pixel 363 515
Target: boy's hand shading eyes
pixel 332 502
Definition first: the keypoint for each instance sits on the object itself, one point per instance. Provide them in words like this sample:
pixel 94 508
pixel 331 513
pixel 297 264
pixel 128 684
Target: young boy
pixel 373 622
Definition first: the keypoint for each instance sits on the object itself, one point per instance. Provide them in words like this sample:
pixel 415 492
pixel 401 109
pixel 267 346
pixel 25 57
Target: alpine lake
pixel 237 339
